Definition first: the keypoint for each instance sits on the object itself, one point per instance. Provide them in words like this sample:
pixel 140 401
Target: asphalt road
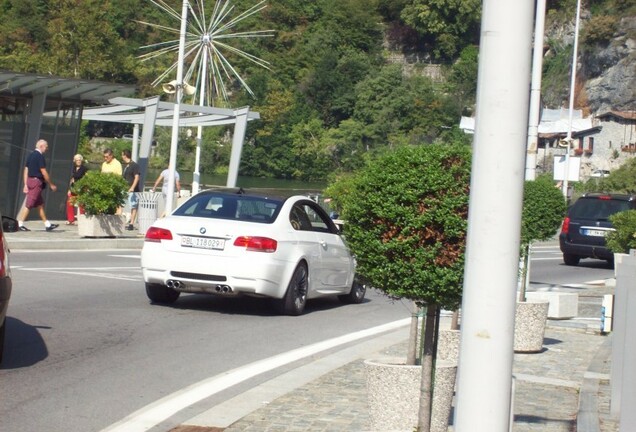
pixel 85 348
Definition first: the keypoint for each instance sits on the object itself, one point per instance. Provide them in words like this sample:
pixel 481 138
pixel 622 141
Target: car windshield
pixel 597 209
pixel 232 207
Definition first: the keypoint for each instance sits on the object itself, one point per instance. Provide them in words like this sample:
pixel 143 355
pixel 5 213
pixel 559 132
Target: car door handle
pixel 323 243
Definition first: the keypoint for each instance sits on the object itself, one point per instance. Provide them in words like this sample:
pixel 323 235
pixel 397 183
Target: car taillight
pixel 566 225
pixel 256 244
pixel 155 234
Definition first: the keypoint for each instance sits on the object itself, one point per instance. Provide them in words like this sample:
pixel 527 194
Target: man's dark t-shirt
pixel 130 171
pixel 34 163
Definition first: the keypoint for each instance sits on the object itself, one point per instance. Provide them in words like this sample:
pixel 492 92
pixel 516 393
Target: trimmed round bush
pixel 406 219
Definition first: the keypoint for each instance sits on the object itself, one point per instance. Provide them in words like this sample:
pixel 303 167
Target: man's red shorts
pixel 34 195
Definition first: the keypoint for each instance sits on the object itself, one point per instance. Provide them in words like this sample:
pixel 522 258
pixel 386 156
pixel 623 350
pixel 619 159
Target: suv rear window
pixel 597 209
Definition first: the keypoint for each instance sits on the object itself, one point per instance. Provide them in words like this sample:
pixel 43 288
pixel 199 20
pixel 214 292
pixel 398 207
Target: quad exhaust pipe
pixel 219 289
pixel 223 289
pixel 174 284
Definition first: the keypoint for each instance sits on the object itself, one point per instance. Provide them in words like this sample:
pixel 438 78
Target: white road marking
pixel 157 412
pixel 88 271
pixel 126 256
pixel 548 259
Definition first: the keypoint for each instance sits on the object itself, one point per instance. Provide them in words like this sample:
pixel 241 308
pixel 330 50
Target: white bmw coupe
pixel 228 242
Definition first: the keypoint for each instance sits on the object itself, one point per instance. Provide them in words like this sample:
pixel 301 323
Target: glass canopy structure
pixel 41 106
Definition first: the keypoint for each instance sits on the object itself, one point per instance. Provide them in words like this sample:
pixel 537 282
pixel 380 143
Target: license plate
pixel 594 232
pixel 203 242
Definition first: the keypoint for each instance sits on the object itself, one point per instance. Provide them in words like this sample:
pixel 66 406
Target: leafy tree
pixel 543 210
pixel 83 42
pixel 406 219
pixel 624 237
pixel 622 179
pixel 449 25
pixel 462 79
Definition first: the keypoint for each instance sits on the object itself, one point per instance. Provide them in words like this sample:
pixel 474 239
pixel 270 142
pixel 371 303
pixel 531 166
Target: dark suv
pixel 587 223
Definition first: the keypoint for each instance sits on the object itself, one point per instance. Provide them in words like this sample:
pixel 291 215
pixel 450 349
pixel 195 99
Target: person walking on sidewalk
pixel 111 164
pixel 163 177
pixel 35 179
pixel 131 174
pixel 77 172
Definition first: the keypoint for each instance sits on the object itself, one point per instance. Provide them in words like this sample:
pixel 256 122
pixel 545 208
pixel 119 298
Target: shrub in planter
pixel 100 194
pixel 405 221
pixel 543 210
pixel 624 237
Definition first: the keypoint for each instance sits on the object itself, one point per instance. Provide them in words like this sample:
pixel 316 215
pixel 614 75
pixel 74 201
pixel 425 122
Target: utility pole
pixel 174 142
pixel 484 391
pixel 535 92
pixel 571 106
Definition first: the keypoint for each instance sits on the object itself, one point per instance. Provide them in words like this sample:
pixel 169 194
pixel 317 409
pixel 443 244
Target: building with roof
pixel 602 142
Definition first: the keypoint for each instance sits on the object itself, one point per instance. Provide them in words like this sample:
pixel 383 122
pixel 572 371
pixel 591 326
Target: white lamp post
pixel 172 165
pixel 571 108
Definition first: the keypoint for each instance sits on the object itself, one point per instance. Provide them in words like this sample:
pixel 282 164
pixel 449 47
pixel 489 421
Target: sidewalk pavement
pixel 564 388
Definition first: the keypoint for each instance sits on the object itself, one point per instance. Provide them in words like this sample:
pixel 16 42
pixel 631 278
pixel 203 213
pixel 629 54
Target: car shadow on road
pixel 24 346
pixel 248 305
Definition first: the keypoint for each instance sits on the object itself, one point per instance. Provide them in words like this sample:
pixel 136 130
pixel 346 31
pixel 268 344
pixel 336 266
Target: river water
pixel 208 180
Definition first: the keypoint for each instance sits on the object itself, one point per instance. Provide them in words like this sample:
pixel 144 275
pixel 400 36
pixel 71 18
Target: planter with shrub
pixel 406 219
pixel 101 196
pixel 543 210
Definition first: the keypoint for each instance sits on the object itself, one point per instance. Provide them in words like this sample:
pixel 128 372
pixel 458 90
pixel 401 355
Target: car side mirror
pixel 9 224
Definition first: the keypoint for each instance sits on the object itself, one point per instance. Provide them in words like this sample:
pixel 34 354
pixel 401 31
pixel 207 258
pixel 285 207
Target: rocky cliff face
pixel 610 71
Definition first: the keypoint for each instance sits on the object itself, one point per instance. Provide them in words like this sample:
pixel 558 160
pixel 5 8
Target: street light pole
pixel 535 92
pixel 172 165
pixel 571 107
pixel 197 155
pixel 484 381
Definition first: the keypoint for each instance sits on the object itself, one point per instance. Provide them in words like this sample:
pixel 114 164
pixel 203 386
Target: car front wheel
pixel 296 296
pixel 571 260
pixel 161 294
pixel 356 295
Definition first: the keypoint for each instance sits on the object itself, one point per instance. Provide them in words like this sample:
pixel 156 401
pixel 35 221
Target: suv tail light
pixel 257 244
pixel 155 234
pixel 565 228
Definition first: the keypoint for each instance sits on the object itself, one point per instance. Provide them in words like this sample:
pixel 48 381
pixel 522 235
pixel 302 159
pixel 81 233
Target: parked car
pixel 587 223
pixel 229 242
pixel 600 173
pixel 8 225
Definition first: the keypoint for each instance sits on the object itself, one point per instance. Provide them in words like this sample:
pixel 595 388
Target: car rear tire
pixel 161 294
pixel 296 296
pixel 356 295
pixel 571 260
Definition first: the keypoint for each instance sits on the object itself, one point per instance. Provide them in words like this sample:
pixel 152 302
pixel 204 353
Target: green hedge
pixel 100 193
pixel 624 238
pixel 406 220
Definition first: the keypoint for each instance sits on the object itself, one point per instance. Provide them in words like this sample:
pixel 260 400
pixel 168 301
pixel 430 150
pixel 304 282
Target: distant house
pixel 603 142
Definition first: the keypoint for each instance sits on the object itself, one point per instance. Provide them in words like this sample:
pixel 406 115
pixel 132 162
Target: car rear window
pixel 597 209
pixel 231 207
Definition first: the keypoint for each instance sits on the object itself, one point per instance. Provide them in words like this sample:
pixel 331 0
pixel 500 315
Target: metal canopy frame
pixel 132 111
pixel 152 112
pixel 23 84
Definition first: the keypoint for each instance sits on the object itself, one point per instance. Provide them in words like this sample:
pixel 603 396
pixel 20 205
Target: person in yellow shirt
pixel 111 164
